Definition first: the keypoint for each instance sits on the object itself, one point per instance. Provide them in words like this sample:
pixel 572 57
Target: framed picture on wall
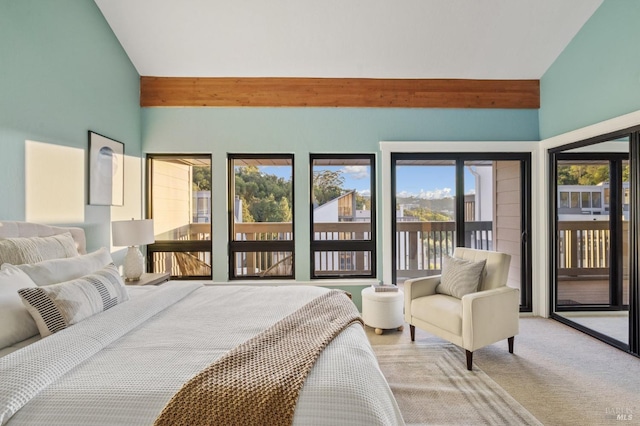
pixel 106 171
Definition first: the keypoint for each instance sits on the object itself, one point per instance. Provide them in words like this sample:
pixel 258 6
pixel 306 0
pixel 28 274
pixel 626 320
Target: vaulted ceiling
pixel 419 39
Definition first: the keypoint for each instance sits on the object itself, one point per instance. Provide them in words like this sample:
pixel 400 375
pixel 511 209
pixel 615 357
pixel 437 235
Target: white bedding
pixel 121 366
pixel 134 291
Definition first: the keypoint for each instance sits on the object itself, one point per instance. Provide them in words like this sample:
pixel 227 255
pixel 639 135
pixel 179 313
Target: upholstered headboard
pixel 12 229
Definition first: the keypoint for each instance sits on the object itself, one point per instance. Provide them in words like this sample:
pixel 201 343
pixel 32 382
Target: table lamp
pixel 133 233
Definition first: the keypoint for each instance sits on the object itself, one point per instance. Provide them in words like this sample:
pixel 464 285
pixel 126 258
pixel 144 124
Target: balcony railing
pixel 421 245
pixel 189 232
pixel 260 263
pixel 584 261
pixel 342 263
pixel 263 231
pixel 182 251
pixel 583 247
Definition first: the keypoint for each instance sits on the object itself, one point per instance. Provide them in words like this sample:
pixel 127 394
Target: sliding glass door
pixel 443 201
pixel 591 220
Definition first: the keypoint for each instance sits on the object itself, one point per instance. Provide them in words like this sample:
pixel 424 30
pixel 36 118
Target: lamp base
pixel 133 266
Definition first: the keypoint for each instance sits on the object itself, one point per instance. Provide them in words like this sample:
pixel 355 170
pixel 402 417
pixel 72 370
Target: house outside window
pixel 343 216
pixel 261 240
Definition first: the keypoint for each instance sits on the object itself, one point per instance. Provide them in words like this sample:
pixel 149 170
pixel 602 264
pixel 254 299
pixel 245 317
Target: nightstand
pixel 150 279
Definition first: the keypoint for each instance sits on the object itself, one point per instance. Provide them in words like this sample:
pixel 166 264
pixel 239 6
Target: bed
pixel 122 366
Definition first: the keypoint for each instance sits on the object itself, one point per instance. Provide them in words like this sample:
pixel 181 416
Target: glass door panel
pixel 493 210
pixel 626 187
pixel 425 206
pixel 478 204
pixel 584 238
pixel 592 245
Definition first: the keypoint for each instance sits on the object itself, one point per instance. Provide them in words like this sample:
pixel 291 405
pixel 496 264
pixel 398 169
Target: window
pixel 564 199
pixel 179 194
pixel 575 200
pixel 261 244
pixel 343 216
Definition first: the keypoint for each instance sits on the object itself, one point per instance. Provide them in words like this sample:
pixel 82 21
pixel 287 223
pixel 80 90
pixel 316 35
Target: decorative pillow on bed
pixel 54 271
pixel 17 251
pixel 16 324
pixel 56 307
pixel 459 276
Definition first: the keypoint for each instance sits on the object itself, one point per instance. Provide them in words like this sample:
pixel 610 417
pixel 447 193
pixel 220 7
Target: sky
pixel 428 182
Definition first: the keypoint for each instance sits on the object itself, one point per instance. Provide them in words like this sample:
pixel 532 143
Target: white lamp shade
pixel 132 232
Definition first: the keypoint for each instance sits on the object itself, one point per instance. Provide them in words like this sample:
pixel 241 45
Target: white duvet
pixel 121 367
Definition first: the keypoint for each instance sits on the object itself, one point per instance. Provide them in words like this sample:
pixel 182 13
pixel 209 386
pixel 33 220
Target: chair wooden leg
pixel 469 360
pixel 412 330
pixel 510 340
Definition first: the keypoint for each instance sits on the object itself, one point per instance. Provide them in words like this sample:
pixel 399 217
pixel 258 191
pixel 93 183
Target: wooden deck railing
pixel 583 245
pixel 584 248
pixel 343 262
pixel 181 262
pixel 189 232
pixel 421 245
pixel 584 260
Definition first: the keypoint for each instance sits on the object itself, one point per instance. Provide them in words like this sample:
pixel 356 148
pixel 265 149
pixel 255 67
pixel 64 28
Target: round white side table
pixel 383 310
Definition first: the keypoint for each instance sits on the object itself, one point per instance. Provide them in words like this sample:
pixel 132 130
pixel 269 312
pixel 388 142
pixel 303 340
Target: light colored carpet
pixel 432 386
pixel 560 375
pixel 565 377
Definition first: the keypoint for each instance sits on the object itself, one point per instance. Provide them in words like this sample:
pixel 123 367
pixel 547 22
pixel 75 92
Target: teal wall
pixel 62 73
pixel 313 130
pixel 597 76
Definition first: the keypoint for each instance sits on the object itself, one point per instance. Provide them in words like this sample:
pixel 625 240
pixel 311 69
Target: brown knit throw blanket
pixel 258 382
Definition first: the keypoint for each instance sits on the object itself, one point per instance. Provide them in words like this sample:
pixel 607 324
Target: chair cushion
pixel 440 310
pixel 459 276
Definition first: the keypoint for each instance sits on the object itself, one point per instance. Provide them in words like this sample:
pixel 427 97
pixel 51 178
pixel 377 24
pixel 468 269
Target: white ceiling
pixel 477 39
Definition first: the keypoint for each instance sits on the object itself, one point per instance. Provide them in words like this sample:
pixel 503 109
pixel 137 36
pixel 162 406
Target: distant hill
pixel 436 205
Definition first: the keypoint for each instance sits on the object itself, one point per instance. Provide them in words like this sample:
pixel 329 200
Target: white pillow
pixel 57 306
pixel 55 271
pixel 459 276
pixel 16 324
pixel 21 250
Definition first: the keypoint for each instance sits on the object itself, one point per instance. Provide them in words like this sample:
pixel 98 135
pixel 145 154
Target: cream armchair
pixel 473 321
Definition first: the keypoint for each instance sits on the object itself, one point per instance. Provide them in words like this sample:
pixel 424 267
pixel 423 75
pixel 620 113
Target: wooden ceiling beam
pixel 338 92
